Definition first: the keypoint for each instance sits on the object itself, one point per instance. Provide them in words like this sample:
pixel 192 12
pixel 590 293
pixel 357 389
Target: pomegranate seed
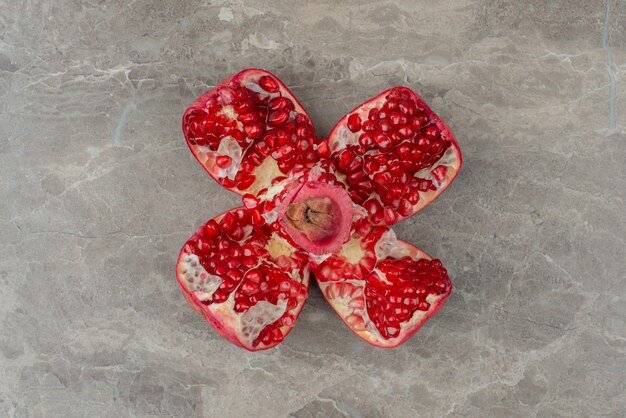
pixel 211 230
pixel 390 216
pixel 354 122
pixel 374 209
pixel 366 140
pixel 303 131
pixel 423 142
pixel 382 177
pixel 397 118
pixel 373 114
pixel 431 130
pixel 405 208
pixel 407 107
pixel 405 132
pixel 253 129
pixel 384 125
pixel 247 117
pixel 223 161
pixel 250 201
pixel 383 142
pixel 419 122
pixel 323 150
pixel 242 107
pixel 413 197
pixel 244 180
pixel 220 296
pixel 278 103
pixel 436 148
pixel 278 117
pixel 344 159
pixel 368 126
pixel 371 166
pixel 268 84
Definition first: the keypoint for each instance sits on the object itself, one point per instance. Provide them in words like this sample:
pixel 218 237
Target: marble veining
pixel 98 192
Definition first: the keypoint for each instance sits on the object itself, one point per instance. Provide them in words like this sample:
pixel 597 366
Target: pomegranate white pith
pixel 318 205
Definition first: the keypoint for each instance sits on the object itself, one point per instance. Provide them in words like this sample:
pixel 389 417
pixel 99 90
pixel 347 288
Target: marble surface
pixel 98 192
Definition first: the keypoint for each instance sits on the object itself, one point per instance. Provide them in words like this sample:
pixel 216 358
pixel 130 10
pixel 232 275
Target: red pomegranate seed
pixel 354 122
pixel 244 179
pixel 374 209
pixel 383 142
pixel 423 142
pixel 253 129
pixel 278 103
pixel 405 132
pixel 368 126
pixel 407 107
pixel 278 117
pixel 247 117
pixel 223 161
pixel 384 125
pixel 397 118
pixel 405 208
pixel 323 150
pixel 268 84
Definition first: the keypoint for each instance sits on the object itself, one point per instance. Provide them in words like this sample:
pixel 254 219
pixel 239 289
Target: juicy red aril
pixel 354 122
pixel 383 142
pixel 247 117
pixel 223 161
pixel 397 118
pixel 268 84
pixel 253 129
pixel 278 103
pixel 407 107
pixel 278 117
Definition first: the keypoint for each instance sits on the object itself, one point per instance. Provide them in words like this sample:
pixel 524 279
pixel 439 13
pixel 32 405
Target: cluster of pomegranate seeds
pixel 396 140
pixel 406 285
pixel 263 123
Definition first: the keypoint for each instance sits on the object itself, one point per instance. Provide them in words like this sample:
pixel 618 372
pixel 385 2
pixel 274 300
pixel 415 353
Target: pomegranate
pixel 311 205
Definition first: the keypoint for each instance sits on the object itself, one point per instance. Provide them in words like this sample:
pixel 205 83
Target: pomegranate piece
pixel 384 289
pixel 249 123
pixel 410 156
pixel 314 205
pixel 249 283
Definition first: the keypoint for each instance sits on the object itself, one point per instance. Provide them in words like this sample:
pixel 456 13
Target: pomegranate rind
pixel 222 318
pixel 342 293
pixel 451 159
pixel 207 158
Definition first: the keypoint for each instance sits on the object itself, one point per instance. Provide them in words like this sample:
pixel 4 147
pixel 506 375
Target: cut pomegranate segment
pixel 249 283
pixel 384 289
pixel 249 130
pixel 319 205
pixel 408 154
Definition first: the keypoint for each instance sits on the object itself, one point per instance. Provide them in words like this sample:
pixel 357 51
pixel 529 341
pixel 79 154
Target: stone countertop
pixel 98 192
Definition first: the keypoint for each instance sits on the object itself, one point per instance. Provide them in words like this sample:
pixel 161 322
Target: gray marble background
pixel 98 191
